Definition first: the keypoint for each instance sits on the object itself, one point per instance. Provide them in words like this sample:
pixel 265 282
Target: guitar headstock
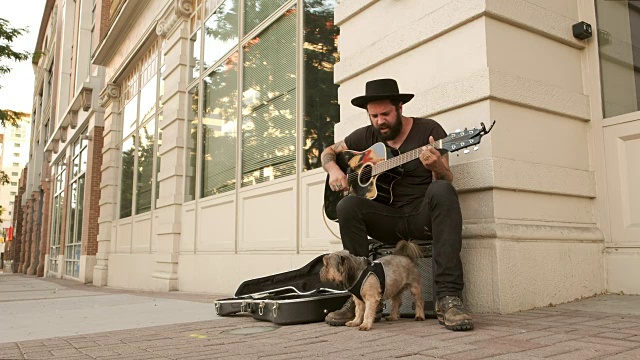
pixel 461 139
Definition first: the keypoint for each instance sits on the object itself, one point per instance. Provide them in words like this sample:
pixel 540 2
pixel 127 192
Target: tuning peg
pixel 475 148
pixel 466 151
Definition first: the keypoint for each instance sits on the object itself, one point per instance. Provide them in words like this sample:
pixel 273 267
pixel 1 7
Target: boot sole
pixel 465 326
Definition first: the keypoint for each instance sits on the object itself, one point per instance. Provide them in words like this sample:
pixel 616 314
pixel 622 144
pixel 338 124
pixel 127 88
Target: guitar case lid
pixel 304 279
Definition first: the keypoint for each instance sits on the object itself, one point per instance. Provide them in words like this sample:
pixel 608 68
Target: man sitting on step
pixel 423 198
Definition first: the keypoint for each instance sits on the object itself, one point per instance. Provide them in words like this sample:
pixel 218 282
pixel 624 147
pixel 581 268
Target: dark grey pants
pixel 438 211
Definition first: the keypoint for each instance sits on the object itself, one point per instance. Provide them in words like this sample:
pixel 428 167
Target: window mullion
pixel 198 183
pixel 136 145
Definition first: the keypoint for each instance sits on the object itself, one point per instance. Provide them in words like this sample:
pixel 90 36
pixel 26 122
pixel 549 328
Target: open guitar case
pixel 292 297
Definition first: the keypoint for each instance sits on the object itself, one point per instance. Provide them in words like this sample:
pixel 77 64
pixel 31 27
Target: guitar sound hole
pixel 364 178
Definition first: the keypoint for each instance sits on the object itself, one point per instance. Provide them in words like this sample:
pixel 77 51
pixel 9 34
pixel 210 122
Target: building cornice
pixel 123 22
pixel 48 7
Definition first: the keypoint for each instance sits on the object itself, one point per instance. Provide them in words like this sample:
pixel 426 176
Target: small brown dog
pixel 353 273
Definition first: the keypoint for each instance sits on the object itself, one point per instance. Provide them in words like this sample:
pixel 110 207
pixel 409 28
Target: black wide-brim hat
pixel 380 89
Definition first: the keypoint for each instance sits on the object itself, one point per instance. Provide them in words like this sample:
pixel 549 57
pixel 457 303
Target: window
pixel 13 193
pixel 9 212
pixel 14 183
pixel 73 243
pixel 45 132
pixel 618 43
pixel 16 154
pixel 245 89
pixel 56 216
pixel 16 164
pixel 143 91
pixel 16 144
pixel 14 173
pixel 49 80
pixel 93 28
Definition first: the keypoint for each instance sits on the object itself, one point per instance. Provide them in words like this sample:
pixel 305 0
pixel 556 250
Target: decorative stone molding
pixel 73 118
pixel 108 94
pixel 63 134
pixel 85 100
pixel 163 27
pixel 182 9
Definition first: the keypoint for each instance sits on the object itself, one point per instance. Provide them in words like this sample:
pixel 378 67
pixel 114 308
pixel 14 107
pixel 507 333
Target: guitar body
pixel 357 166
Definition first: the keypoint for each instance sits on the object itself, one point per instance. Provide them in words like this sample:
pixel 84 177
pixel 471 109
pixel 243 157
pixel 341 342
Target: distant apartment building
pixel 14 154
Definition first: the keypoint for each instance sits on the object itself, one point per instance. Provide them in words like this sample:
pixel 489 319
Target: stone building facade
pixel 211 115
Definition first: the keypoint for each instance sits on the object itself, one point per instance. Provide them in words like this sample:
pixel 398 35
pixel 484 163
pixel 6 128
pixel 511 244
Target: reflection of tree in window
pixel 321 109
pixel 256 11
pixel 126 181
pixel 219 124
pixel 269 102
pixel 145 168
pixel 220 32
pixel 192 140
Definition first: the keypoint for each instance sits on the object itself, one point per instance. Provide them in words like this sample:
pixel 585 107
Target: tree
pixel 7 35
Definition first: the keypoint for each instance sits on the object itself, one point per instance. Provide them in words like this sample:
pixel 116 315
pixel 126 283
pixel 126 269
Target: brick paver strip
pixel 540 333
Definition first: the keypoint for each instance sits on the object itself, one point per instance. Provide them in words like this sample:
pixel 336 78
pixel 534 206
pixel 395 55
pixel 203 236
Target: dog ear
pixel 345 264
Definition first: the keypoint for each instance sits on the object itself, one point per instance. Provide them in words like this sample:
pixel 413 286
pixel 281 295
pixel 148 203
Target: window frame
pixel 199 17
pixel 153 56
pixel 69 258
pixel 59 194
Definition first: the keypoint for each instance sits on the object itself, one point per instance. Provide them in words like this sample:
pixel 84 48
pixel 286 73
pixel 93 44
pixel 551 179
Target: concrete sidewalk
pixel 36 308
pixel 116 324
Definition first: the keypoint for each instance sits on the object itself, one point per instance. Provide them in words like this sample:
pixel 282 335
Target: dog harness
pixel 373 268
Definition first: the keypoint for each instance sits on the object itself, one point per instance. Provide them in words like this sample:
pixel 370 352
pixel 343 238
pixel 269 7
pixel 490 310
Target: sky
pixel 17 86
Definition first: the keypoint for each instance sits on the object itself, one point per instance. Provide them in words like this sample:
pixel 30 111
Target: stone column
pixel 28 222
pixel 17 242
pixel 36 225
pixel 109 171
pixel 45 229
pixel 169 206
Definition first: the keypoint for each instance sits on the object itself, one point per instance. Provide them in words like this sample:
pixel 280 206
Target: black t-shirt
pixel 416 178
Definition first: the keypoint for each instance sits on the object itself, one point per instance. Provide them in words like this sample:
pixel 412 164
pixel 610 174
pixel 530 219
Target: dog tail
pixel 408 249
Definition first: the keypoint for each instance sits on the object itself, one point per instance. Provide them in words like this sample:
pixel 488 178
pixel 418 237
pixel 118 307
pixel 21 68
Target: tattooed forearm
pixel 328 157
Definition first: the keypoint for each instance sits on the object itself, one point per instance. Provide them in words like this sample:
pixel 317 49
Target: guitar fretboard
pixel 405 157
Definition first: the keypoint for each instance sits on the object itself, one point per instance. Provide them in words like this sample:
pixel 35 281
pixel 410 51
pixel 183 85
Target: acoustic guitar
pixel 371 173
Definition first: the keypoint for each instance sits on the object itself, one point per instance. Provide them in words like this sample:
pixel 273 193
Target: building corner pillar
pixel 171 192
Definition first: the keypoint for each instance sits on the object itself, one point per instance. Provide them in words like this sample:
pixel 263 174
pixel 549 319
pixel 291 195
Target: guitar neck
pixel 404 157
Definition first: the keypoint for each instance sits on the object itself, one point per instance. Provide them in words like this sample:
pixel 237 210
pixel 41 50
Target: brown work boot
pixel 452 314
pixel 348 313
pixel 342 316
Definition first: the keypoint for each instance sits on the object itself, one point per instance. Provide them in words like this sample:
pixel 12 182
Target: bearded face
pixel 387 127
